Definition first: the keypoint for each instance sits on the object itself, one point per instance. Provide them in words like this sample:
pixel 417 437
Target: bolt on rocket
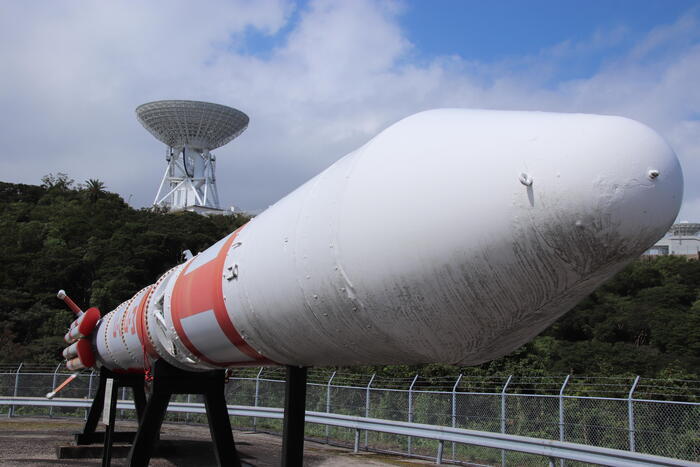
pixel 453 236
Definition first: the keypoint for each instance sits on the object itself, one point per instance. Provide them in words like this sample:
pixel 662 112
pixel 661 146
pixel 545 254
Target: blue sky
pixel 321 77
pixel 507 30
pixel 495 30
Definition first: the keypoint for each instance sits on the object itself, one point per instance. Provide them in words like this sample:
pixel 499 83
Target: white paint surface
pixel 424 246
pixel 207 255
pixel 206 335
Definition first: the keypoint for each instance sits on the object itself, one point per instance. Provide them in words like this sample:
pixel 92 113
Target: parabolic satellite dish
pixel 200 124
pixel 190 129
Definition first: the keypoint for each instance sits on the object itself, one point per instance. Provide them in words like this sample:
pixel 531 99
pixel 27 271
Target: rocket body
pixel 453 236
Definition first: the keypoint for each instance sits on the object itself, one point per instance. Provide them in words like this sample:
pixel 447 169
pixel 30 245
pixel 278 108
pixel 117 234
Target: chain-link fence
pixel 660 417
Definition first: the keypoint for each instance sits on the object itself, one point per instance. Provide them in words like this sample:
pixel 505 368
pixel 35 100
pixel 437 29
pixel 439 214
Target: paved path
pixel 33 441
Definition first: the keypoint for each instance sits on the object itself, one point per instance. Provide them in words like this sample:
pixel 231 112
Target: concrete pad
pixel 34 442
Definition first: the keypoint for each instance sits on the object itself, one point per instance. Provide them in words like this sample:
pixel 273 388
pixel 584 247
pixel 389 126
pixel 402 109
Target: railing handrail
pixel 543 447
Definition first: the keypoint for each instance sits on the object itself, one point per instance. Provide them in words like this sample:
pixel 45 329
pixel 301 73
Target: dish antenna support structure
pixel 191 130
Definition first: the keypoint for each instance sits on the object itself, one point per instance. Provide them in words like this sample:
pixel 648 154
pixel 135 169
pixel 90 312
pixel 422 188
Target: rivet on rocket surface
pixel 525 179
pixel 653 174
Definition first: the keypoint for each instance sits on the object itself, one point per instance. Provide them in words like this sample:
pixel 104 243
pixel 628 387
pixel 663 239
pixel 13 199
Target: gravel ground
pixel 33 442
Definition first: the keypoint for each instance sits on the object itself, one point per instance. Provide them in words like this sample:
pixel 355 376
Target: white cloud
pixel 340 73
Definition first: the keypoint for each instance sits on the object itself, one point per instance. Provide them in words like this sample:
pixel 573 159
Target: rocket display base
pixel 133 381
pixel 168 380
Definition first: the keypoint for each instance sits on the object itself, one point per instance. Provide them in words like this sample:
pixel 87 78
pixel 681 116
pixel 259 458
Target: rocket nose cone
pixel 580 219
pixel 653 190
pixel 617 193
pixel 654 179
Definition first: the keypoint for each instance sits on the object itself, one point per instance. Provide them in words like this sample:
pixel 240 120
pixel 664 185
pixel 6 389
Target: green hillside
pixel 88 241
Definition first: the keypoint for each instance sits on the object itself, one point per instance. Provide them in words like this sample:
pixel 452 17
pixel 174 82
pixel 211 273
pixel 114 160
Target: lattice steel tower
pixel 191 130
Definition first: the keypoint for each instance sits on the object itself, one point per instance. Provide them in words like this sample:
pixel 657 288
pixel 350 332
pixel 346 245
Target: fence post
pixel 121 412
pixel 53 385
pixel 257 396
pixel 12 407
pixel 454 409
pixel 630 413
pixel 410 410
pixel 562 434
pixel 503 416
pixel 328 402
pixel 367 399
pixel 92 372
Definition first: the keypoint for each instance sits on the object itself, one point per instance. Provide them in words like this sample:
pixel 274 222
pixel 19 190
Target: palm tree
pixel 94 189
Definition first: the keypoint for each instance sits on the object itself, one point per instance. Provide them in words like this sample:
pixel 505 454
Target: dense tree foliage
pixel 89 242
pixel 85 239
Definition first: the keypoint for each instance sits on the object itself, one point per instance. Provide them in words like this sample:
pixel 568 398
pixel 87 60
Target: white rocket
pixel 453 236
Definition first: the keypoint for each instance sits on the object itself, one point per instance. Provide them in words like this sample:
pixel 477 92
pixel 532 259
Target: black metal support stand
pixel 168 380
pixel 294 412
pixel 133 381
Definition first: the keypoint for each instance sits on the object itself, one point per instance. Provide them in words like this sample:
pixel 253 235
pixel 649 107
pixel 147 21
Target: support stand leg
pixel 95 409
pixel 139 400
pixel 89 434
pixel 294 412
pixel 149 428
pixel 168 380
pixel 220 428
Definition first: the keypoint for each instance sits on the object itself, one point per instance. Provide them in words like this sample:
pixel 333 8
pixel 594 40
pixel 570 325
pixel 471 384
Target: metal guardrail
pixel 602 411
pixel 656 417
pixel 550 449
